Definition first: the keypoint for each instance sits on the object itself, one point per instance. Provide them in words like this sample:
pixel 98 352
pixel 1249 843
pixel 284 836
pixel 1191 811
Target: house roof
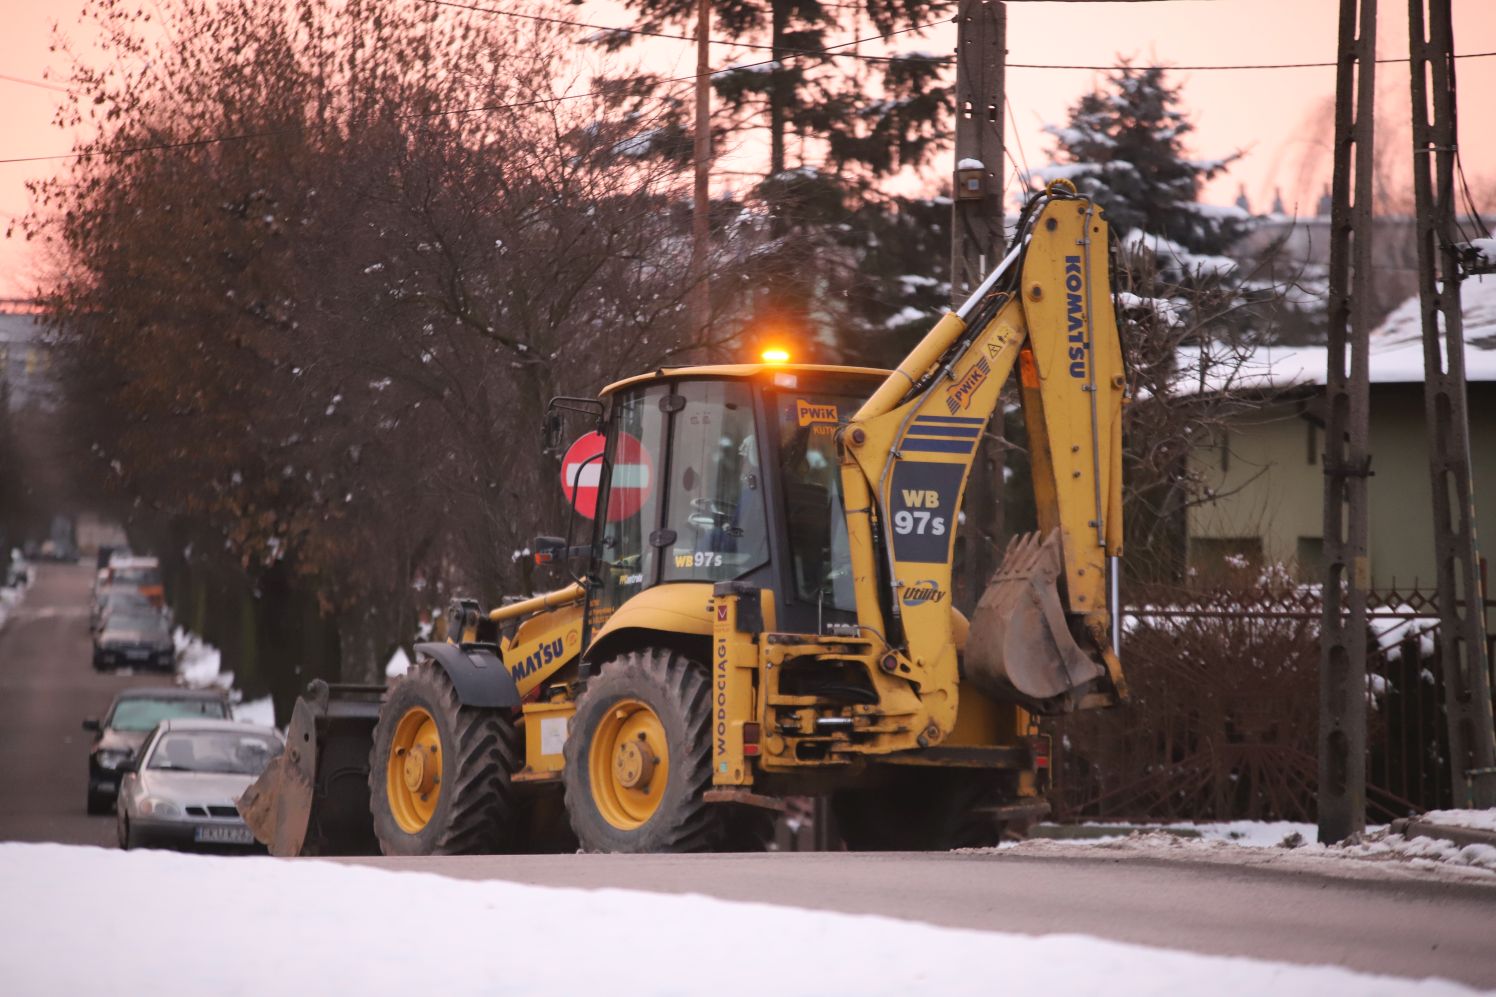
pixel 1396 349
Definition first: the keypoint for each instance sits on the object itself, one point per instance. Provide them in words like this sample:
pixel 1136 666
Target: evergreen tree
pixel 830 126
pixel 1124 145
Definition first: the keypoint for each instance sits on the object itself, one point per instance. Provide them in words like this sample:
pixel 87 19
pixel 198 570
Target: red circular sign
pixel 582 474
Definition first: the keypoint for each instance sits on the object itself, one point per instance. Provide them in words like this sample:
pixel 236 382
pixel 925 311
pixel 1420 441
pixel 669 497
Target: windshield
pixel 819 553
pixel 132 622
pixel 143 714
pixel 715 493
pixel 134 576
pixel 223 752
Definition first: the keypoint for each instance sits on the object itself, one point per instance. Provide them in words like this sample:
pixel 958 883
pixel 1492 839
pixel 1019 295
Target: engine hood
pixel 121 740
pixel 194 788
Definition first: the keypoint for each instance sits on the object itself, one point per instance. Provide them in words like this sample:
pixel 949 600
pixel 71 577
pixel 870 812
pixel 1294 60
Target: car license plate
pixel 137 655
pixel 228 834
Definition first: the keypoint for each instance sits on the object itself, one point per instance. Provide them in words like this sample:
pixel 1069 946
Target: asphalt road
pixel 47 687
pixel 1407 929
pixel 1402 927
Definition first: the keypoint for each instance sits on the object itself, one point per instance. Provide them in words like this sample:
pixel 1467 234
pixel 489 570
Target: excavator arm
pixel 1041 634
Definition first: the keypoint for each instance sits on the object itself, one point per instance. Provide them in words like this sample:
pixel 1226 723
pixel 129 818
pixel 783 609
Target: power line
pixel 33 83
pixel 647 33
pixel 477 109
pixel 941 60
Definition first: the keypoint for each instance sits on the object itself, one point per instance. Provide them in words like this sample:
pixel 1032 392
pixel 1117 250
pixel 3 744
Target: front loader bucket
pixel 314 798
pixel 1020 646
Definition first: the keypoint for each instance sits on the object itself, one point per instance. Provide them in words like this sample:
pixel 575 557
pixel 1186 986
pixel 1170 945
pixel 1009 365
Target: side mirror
pixel 555 427
pixel 92 723
pixel 548 550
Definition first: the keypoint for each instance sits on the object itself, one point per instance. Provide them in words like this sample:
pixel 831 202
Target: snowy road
pixel 1400 927
pixel 1269 908
pixel 261 926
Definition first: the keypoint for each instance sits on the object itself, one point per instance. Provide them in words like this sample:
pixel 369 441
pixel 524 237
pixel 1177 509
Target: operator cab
pixel 729 474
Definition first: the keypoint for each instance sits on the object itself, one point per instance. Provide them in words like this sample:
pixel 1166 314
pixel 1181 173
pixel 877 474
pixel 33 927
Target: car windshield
pixel 135 622
pixel 143 714
pixel 224 752
pixel 134 576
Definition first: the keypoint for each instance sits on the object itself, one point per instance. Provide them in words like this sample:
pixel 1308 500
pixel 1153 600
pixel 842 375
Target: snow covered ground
pixel 313 927
pixel 10 595
pixel 1378 853
pixel 199 665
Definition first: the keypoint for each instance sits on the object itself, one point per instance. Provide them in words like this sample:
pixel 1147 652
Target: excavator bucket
pixel 1020 646
pixel 314 798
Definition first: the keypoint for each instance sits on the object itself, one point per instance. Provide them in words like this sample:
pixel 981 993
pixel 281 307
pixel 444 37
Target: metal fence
pixel 1222 723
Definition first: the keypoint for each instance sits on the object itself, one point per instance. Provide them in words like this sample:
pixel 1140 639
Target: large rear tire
pixel 639 757
pixel 920 809
pixel 439 772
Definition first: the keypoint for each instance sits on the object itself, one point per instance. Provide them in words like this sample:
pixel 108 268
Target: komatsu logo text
pixel 538 659
pixel 1076 316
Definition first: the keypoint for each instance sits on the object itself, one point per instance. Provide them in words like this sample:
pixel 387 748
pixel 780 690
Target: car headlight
pixel 113 759
pixel 150 807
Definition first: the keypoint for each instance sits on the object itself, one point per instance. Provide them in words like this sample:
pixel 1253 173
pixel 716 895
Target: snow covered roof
pixel 1396 349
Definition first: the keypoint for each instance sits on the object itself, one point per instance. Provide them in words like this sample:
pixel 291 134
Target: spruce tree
pixel 1124 145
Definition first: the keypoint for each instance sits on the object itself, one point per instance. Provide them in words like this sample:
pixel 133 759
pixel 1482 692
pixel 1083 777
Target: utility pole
pixel 1347 459
pixel 1462 624
pixel 701 231
pixel 977 244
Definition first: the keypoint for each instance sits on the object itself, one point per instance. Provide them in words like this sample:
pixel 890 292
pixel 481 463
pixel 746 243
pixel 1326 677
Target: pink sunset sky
pixel 1281 118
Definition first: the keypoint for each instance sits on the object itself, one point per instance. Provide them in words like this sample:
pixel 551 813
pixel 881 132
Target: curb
pixel 1412 827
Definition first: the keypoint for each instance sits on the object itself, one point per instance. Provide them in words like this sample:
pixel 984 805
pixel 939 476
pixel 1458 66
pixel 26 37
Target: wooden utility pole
pixel 1462 624
pixel 977 244
pixel 1347 459
pixel 701 230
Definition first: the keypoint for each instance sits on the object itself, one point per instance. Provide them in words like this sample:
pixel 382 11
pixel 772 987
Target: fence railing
pixel 1224 714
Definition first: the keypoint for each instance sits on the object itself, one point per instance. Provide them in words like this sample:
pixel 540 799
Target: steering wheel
pixel 711 514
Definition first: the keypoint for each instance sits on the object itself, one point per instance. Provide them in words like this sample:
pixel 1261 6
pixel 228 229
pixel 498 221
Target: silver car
pixel 180 790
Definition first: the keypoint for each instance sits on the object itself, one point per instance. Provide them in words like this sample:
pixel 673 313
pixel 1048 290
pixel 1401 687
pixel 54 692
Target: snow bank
pixel 256 711
pixel 1480 820
pixel 398 665
pixel 1424 852
pixel 8 599
pixel 198 662
pixel 308 926
pixel 1246 833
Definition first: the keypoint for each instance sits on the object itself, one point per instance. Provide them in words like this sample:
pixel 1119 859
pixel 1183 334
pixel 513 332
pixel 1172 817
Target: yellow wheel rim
pixel 629 764
pixel 413 771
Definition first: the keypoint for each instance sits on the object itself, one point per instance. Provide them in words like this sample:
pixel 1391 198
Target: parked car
pixel 129 601
pixel 181 791
pixel 141 573
pixel 134 637
pixel 131 718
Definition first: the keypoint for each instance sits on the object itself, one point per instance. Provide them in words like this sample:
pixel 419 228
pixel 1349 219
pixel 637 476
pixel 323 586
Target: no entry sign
pixel 582 474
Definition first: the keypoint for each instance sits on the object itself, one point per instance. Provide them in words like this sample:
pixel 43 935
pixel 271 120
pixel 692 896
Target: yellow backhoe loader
pixel 764 607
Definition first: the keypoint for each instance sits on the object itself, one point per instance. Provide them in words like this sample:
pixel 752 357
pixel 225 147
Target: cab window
pixel 820 557
pixel 715 493
pixel 626 559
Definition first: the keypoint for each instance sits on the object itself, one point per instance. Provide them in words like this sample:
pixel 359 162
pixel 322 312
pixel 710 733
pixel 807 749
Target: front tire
pixel 439 772
pixel 639 757
pixel 98 803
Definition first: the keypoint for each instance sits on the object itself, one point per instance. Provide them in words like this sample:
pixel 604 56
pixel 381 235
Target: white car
pixel 181 789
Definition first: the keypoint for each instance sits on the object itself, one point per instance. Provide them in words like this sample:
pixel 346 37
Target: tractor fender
pixel 479 676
